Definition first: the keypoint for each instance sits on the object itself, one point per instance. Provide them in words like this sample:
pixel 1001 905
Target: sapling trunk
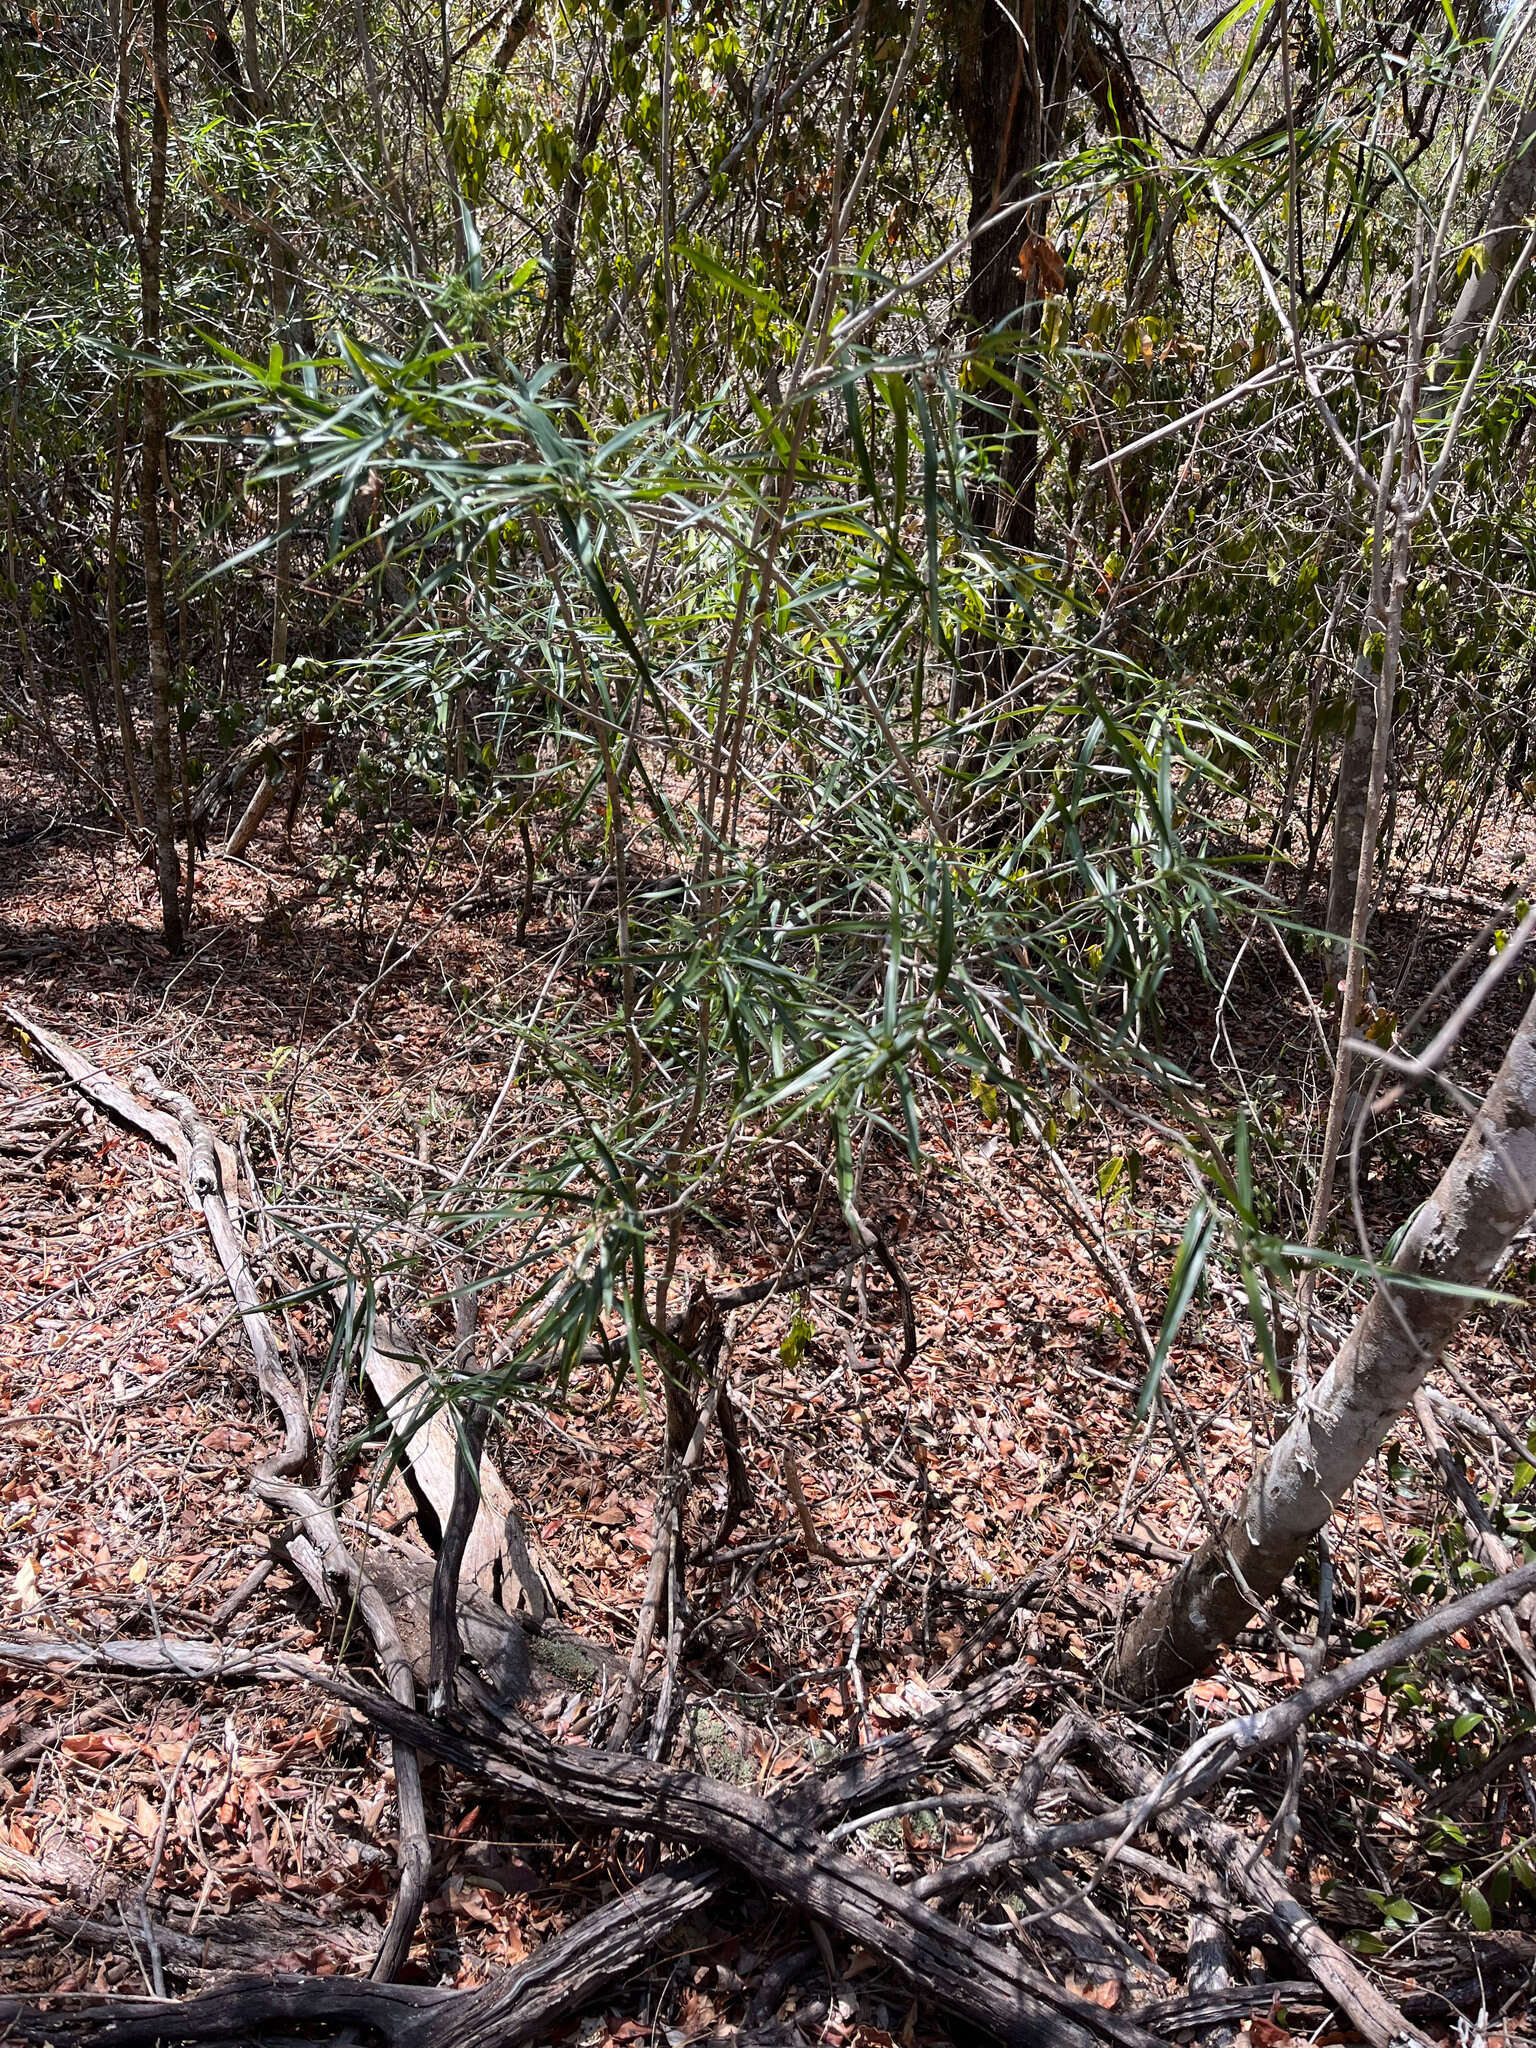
pixel 1350 804
pixel 124 710
pixel 1485 1196
pixel 148 234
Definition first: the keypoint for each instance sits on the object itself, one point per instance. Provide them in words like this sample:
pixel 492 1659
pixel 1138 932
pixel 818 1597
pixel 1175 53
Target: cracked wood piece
pixel 980 1640
pixel 527 2004
pixel 219 1948
pixel 395 1372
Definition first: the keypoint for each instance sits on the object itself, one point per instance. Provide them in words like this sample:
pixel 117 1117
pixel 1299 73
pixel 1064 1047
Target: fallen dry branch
pixel 214 1951
pixel 172 1122
pixel 981 1639
pixel 1257 1880
pixel 570 1971
pixel 158 1657
pixel 107 1093
pixel 963 1972
pixel 1169 1798
pixel 780 1843
pixel 523 2006
pixel 391 1362
pixel 1200 2012
pixel 1504 1760
pixel 967 1975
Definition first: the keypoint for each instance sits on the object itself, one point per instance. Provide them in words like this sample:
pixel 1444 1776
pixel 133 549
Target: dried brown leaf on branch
pixel 1041 267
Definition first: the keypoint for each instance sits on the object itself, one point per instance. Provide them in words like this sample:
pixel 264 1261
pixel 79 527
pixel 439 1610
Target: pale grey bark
pixel 1504 236
pixel 1350 804
pixel 1485 1196
pixel 1505 227
pixel 254 812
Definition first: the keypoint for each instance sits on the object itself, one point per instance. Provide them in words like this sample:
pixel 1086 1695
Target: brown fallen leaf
pixel 1267 2033
pixel 24 1593
pixel 90 1749
pixel 29 1923
pixel 256 1835
pixel 507 1946
pixel 1105 1995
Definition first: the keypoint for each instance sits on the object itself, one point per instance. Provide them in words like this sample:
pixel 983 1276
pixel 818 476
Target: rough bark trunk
pixel 1011 98
pixel 124 710
pixel 149 235
pixel 250 51
pixel 555 336
pixel 1485 1196
pixel 1350 804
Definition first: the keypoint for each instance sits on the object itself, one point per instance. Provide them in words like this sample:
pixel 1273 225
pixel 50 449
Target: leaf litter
pixel 257 1826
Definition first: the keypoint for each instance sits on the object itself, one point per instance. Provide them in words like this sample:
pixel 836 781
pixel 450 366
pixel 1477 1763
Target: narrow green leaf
pixel 1188 1268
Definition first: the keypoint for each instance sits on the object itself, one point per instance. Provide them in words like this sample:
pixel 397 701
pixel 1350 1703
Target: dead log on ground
pixel 569 1972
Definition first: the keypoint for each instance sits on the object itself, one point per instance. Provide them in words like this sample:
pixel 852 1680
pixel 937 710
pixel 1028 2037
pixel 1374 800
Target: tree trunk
pixel 152 462
pixel 1011 98
pixel 560 250
pixel 250 51
pixel 85 663
pixel 1505 227
pixel 1485 1196
pixel 1355 914
pixel 1504 232
pixel 1350 804
pixel 125 724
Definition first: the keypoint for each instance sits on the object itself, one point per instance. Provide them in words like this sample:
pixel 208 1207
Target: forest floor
pixel 258 1822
